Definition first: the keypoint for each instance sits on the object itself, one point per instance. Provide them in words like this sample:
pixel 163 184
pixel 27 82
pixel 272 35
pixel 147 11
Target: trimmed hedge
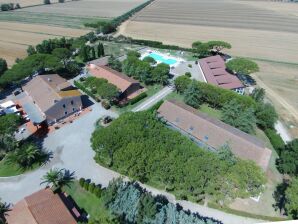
pixel 156 106
pixel 91 187
pixel 138 98
pixel 245 214
pixel 275 139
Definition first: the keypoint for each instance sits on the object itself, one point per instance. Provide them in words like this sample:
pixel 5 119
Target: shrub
pixel 275 139
pixel 86 185
pixel 188 74
pixel 138 98
pixel 156 106
pixel 106 104
pixel 97 191
pixel 91 187
pixel 82 181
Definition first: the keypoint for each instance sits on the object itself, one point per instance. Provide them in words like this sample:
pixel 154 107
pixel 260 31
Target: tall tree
pixel 161 74
pixel 218 45
pixel 258 94
pixel 291 198
pixel 242 66
pixel 3 66
pixel 181 83
pixel 288 159
pixel 242 118
pixel 63 54
pixel 31 50
pixel 57 178
pixel 266 115
pixel 193 95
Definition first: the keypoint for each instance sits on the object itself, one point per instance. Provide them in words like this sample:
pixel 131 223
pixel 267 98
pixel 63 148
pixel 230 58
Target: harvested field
pixel 16 37
pixel 218 13
pixel 72 13
pixel 26 3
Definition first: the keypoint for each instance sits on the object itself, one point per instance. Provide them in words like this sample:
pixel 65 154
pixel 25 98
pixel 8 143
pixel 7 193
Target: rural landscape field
pixel 260 30
pixel 30 25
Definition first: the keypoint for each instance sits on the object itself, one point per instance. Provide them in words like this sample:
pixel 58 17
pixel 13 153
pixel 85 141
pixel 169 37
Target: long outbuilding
pixel 214 133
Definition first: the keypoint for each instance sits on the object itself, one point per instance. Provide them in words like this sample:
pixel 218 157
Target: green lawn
pixel 88 202
pixel 8 170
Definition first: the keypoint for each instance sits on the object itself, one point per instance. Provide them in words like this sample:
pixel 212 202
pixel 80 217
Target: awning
pixel 33 113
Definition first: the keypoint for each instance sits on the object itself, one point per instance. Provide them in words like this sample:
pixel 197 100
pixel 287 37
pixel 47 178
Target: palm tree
pixel 57 178
pixel 4 208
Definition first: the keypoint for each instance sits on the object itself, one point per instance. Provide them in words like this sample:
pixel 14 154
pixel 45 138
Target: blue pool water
pixel 158 57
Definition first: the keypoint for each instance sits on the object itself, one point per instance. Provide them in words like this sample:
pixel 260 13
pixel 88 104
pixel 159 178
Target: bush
pixel 82 181
pixel 97 191
pixel 188 74
pixel 106 104
pixel 156 106
pixel 91 187
pixel 275 139
pixel 138 98
pixel 86 185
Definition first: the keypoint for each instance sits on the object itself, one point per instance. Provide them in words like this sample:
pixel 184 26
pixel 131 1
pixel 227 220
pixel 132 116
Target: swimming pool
pixel 160 58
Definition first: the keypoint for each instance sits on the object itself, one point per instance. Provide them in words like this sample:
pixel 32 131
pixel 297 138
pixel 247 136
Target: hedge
pixel 156 106
pixel 275 139
pixel 138 98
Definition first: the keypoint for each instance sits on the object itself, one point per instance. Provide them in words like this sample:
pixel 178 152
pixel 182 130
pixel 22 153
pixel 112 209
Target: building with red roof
pixel 215 73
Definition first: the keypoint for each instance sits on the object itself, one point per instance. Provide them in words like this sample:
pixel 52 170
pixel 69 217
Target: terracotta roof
pixel 100 61
pixel 42 207
pixel 214 70
pixel 45 90
pixel 215 133
pixel 116 78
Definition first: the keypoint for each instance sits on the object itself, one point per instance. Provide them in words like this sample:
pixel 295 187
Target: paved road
pixel 154 99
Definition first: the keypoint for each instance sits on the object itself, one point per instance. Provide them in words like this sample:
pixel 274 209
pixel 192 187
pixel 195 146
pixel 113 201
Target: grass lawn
pixel 88 202
pixel 8 170
pixel 151 90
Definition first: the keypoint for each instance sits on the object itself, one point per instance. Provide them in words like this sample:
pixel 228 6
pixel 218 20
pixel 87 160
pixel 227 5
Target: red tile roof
pixel 214 70
pixel 42 207
pixel 215 133
pixel 116 78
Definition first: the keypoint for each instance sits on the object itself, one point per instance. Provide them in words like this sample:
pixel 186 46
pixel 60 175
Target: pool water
pixel 160 58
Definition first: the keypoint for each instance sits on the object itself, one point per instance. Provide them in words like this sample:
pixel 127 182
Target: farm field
pixel 260 30
pixel 26 3
pixel 71 14
pixel 16 37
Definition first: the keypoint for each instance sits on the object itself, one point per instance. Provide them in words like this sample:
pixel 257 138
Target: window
pixel 73 109
pixel 191 128
pixel 206 138
pixel 71 102
pixel 64 105
pixel 65 112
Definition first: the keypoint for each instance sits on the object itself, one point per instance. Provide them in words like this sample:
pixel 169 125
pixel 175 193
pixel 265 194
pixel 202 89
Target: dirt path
pixel 276 98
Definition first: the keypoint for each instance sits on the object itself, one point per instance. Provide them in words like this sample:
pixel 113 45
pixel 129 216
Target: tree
pixel 57 178
pixel 115 64
pixel 242 66
pixel 181 83
pixel 4 209
pixel 203 50
pixel 218 45
pixel 161 74
pixel 258 94
pixel 242 118
pixel 150 60
pixel 85 53
pixel 100 50
pixel 225 154
pixel 3 66
pixel 63 54
pixel 196 44
pixel 108 91
pixel 26 155
pixel 9 124
pixel 288 159
pixel 193 95
pixel 291 198
pixel 266 115
pixel 133 54
pixel 31 50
